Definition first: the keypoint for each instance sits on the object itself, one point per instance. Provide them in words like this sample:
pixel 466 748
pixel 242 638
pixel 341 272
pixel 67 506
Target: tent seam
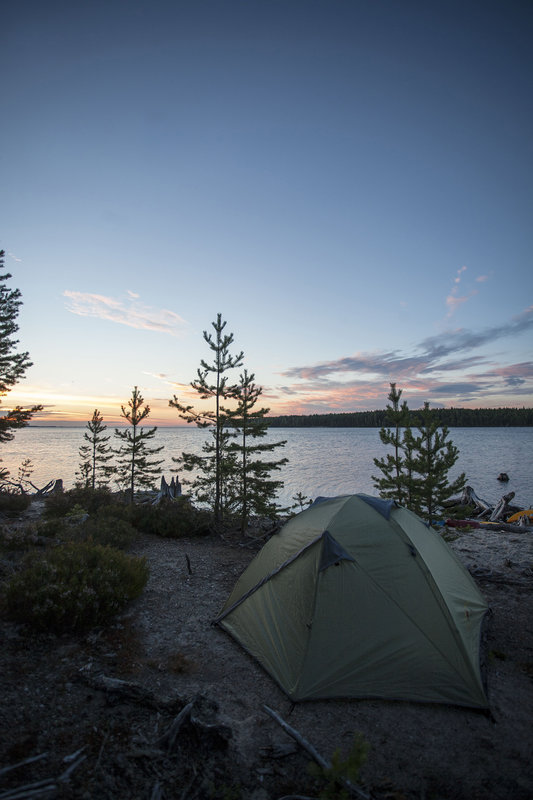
pixel 426 573
pixel 267 578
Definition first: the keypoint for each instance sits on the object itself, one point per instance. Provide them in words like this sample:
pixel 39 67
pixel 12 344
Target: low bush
pixel 105 530
pixel 58 504
pixel 170 519
pixel 53 528
pixel 73 587
pixel 459 512
pixel 13 504
pixel 61 504
pixel 23 538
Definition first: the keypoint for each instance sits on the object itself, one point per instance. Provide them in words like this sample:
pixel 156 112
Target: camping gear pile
pixel 503 516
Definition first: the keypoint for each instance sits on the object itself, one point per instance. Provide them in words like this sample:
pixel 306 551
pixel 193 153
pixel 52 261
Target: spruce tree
pixel 255 491
pixel 136 466
pixel 416 473
pixel 215 467
pixel 432 458
pixel 392 484
pixel 94 468
pixel 13 365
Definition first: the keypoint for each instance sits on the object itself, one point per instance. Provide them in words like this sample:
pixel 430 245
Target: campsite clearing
pixel 165 647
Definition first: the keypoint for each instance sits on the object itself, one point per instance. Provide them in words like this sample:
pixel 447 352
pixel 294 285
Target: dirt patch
pixel 55 700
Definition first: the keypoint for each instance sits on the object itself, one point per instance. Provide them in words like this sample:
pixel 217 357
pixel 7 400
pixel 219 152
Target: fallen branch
pixel 65 776
pixel 126 690
pixel 36 789
pixel 26 761
pixel 320 760
pixel 168 739
pixel 48 785
pixel 156 792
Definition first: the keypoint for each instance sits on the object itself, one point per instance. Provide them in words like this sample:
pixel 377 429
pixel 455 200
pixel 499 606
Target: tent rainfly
pixel 357 597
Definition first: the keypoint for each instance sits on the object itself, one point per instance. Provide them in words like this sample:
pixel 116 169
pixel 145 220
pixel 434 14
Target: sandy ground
pixel 167 647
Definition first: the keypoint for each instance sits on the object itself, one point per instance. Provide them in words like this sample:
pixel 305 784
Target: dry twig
pixel 320 760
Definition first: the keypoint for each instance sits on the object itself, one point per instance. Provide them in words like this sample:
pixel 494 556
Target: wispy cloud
pixel 130 312
pixel 462 340
pixel 161 376
pixel 439 367
pixel 454 299
pixel 14 257
pixel 182 389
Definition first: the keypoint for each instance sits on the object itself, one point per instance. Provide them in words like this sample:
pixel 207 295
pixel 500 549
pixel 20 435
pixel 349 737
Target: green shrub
pixel 13 504
pixel 108 526
pixel 23 538
pixel 74 587
pixel 459 512
pixel 60 504
pixel 53 528
pixel 172 519
pixel 104 530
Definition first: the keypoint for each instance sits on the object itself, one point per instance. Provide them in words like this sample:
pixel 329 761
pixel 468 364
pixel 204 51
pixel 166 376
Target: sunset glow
pixel 347 183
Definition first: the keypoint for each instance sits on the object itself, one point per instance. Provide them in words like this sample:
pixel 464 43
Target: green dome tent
pixel 356 597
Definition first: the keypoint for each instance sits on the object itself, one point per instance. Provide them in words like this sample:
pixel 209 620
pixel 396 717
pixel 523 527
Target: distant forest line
pixel 451 417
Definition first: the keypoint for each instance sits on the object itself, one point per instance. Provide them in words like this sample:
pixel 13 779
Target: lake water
pixel 322 461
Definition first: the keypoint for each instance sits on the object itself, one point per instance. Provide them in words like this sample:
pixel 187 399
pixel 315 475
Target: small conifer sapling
pixel 94 468
pixel 136 464
pixel 433 455
pixel 214 468
pixel 255 490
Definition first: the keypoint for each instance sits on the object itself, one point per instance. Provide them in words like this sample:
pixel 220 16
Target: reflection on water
pixel 322 461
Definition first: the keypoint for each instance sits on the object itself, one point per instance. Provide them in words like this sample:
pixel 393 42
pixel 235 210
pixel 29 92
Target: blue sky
pixel 348 182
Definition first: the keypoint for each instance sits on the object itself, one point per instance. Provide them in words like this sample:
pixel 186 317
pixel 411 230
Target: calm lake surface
pixel 322 461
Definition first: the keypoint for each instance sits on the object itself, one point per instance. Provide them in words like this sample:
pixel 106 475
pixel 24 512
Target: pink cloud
pixel 130 312
pixel 453 301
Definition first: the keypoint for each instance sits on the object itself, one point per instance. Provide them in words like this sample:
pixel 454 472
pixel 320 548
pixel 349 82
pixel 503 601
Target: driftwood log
pixel 51 487
pixel 486 512
pixel 470 498
pixel 502 507
pixel 167 491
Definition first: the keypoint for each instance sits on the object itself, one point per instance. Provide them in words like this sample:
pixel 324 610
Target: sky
pixel 348 182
